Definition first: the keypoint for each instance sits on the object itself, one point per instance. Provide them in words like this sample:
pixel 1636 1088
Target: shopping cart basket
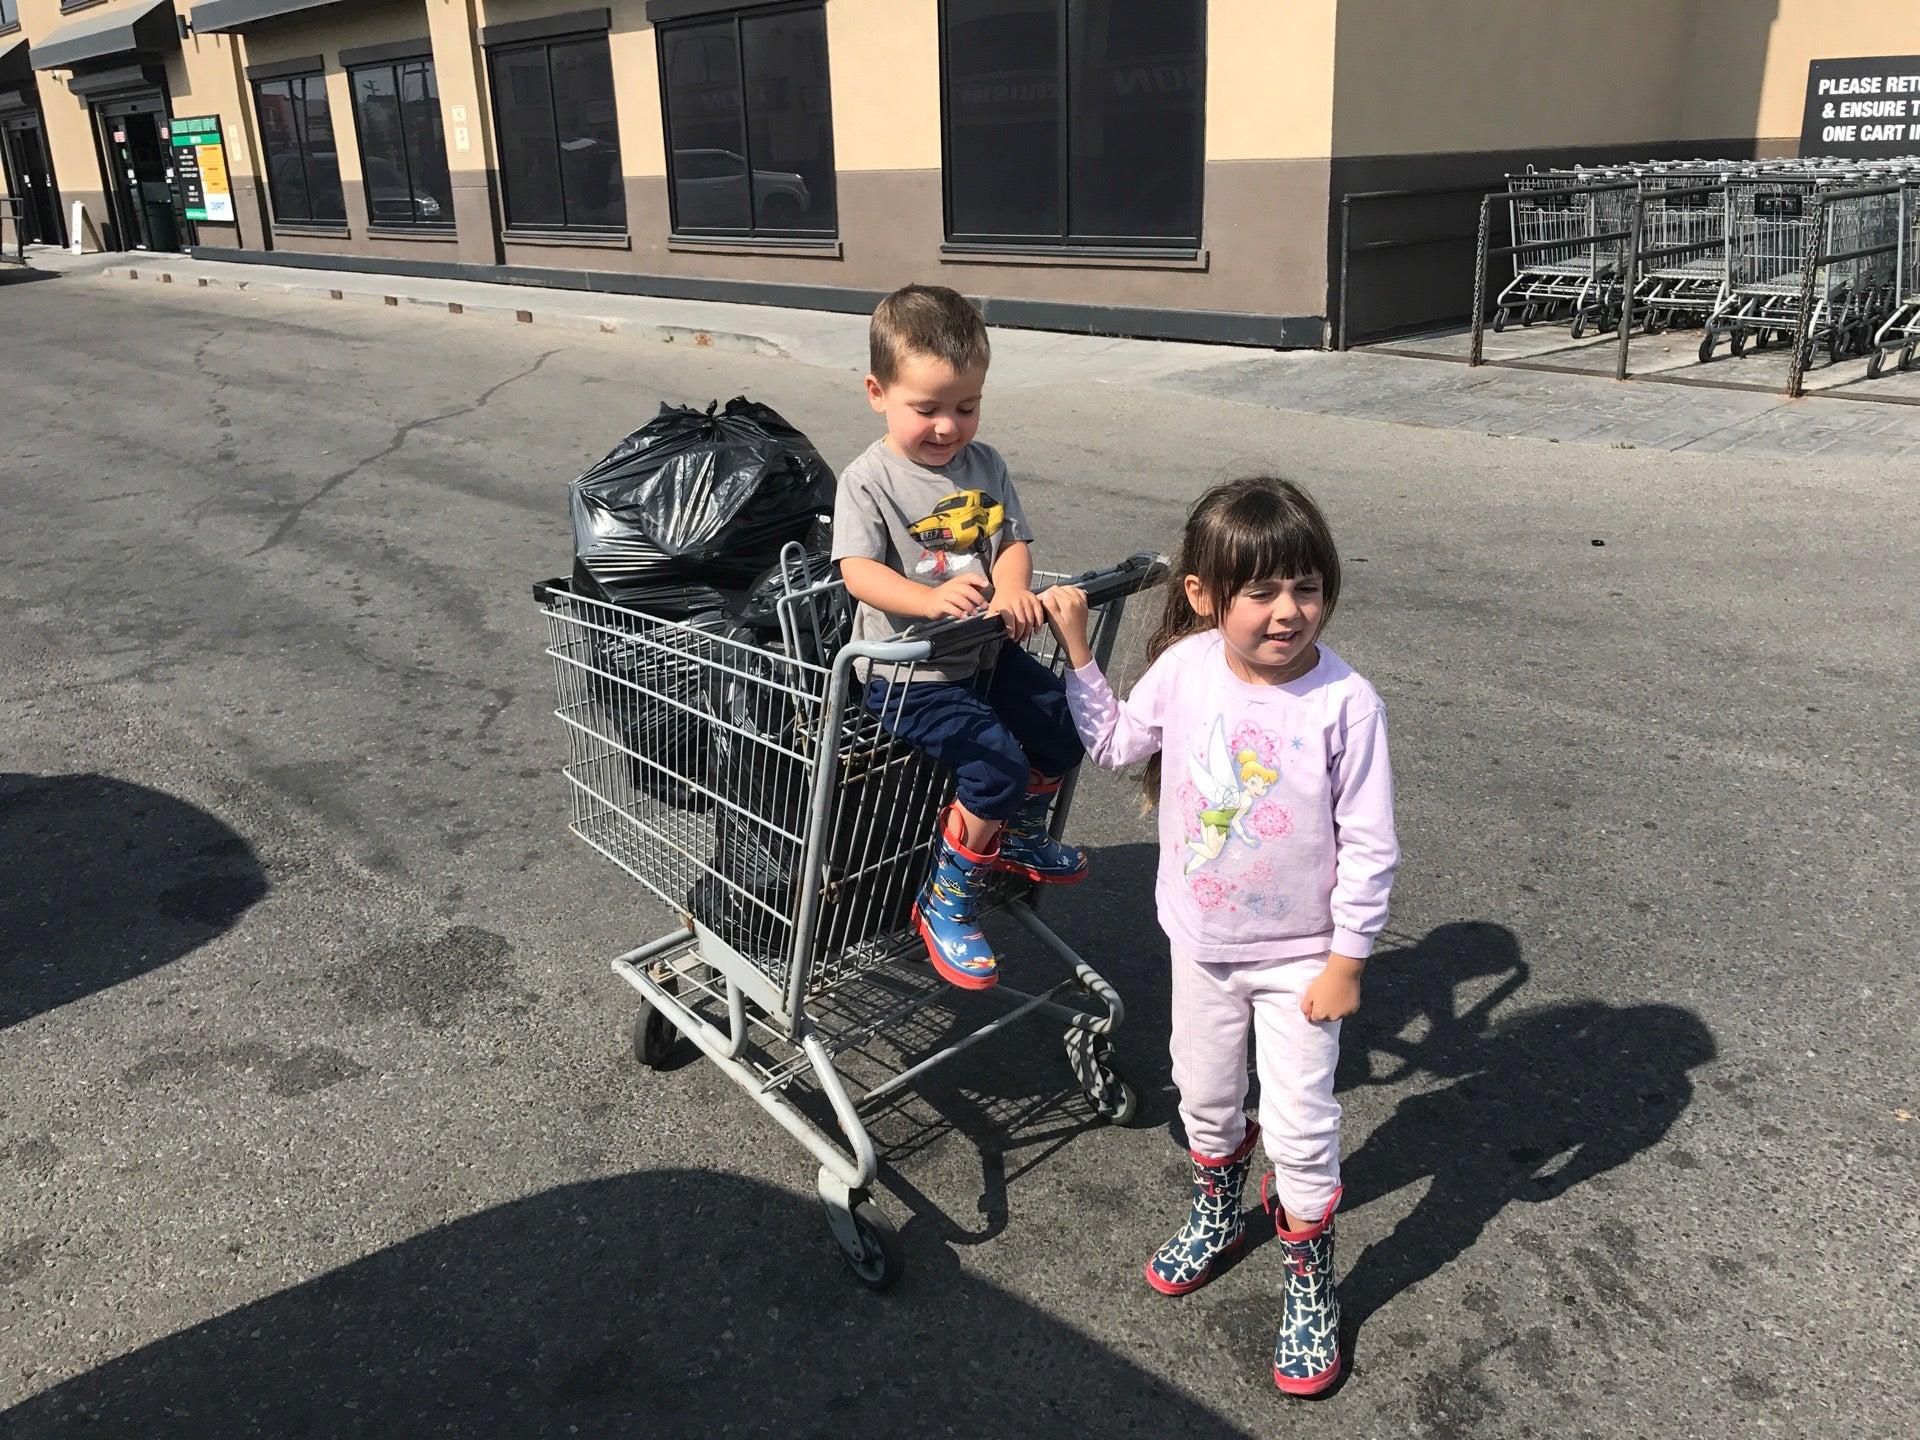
pixel 792 849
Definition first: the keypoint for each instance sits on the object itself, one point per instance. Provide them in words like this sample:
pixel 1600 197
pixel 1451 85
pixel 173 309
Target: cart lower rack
pixel 742 780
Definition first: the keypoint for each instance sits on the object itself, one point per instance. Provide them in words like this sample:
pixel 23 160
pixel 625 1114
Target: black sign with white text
pixel 1865 109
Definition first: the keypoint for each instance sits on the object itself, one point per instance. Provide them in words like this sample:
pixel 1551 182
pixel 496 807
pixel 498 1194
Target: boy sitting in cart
pixel 927 526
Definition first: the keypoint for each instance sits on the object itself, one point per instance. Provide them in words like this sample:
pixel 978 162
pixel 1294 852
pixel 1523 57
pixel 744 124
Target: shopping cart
pixel 1581 278
pixel 1900 332
pixel 744 783
pixel 1770 224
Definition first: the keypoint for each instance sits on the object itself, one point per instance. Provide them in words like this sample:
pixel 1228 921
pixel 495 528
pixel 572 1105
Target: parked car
pixel 390 201
pixel 710 193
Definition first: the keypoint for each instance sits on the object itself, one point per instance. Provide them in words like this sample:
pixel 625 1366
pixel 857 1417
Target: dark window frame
pixel 1067 242
pixel 302 143
pixel 393 67
pixel 754 231
pixel 545 44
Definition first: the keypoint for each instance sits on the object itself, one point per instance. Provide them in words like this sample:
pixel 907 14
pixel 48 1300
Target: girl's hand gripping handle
pixel 1066 607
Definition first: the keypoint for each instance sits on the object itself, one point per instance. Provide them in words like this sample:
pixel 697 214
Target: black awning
pixel 212 16
pixel 141 30
pixel 15 72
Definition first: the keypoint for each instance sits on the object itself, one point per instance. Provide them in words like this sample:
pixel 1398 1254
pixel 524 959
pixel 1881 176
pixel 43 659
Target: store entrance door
pixel 140 177
pixel 30 173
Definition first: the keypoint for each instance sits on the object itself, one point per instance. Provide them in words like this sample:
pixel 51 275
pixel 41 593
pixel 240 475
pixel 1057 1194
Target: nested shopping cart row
pixel 1818 251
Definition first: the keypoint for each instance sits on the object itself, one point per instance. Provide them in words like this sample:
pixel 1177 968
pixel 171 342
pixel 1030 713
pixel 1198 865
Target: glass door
pixel 32 175
pixel 140 174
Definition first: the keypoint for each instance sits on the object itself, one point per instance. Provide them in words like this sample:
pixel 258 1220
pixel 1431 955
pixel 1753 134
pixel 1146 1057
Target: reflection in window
pixel 403 148
pixel 749 124
pixel 1074 121
pixel 9 13
pixel 559 144
pixel 296 134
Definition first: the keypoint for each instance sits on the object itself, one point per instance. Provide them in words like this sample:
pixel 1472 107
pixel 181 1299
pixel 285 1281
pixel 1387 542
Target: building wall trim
pixel 421 49
pixel 283 69
pixel 547 27
pixel 1286 332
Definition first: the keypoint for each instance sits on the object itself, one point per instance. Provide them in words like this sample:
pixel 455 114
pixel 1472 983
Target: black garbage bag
pixel 705 497
pixel 648 680
pixel 822 620
pixel 887 799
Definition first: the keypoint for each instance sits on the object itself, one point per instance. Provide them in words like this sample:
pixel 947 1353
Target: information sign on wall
pixel 200 169
pixel 1863 109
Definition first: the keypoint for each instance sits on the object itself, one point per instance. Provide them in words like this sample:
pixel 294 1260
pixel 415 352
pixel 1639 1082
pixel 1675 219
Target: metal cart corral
pixel 743 781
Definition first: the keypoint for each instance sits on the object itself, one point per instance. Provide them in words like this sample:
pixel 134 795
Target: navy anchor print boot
pixel 946 912
pixel 1306 1355
pixel 1214 1229
pixel 1027 849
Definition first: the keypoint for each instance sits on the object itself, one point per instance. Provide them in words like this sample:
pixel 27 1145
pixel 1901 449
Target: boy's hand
pixel 1066 607
pixel 956 598
pixel 1022 610
pixel 1335 992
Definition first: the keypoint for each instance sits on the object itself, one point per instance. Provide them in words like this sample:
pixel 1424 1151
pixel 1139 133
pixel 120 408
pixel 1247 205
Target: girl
pixel 1272 932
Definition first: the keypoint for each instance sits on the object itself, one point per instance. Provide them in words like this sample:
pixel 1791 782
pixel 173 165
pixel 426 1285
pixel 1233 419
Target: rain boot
pixel 1215 1227
pixel 1306 1355
pixel 1027 849
pixel 945 913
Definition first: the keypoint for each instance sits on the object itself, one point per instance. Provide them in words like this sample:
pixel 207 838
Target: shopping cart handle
pixel 1111 582
pixel 547 591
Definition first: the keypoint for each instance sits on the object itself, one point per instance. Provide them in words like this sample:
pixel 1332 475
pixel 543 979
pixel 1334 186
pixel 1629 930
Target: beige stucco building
pixel 1155 167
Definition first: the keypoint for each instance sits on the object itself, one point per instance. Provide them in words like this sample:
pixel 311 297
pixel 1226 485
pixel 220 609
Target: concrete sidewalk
pixel 811 337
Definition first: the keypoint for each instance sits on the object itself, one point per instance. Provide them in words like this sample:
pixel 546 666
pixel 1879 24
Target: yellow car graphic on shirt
pixel 964 521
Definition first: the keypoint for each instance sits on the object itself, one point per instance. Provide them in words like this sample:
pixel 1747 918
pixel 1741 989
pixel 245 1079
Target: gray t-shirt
pixel 883 494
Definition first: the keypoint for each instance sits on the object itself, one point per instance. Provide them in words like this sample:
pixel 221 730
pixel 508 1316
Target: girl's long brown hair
pixel 1241 532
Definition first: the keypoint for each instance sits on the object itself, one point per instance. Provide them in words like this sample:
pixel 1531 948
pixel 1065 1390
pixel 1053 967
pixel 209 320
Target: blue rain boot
pixel 1306 1354
pixel 1027 849
pixel 1215 1227
pixel 945 912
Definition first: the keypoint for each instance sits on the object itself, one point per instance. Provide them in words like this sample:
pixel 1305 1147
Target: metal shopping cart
pixel 1581 278
pixel 744 783
pixel 1900 333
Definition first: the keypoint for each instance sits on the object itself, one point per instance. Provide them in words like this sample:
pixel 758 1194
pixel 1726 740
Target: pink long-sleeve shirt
pixel 1276 801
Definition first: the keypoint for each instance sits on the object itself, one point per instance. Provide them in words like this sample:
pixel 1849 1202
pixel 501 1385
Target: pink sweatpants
pixel 1213 1006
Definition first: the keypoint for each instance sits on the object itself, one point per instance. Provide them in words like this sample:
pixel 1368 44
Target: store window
pixel 750 124
pixel 403 148
pixel 9 14
pixel 1074 122
pixel 559 143
pixel 303 167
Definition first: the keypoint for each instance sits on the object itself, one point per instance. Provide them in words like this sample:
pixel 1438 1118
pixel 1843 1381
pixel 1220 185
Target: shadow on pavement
pixel 24 274
pixel 1531 1102
pixel 107 880
pixel 668 1304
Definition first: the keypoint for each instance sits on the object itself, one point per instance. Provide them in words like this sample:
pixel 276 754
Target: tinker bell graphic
pixel 1233 786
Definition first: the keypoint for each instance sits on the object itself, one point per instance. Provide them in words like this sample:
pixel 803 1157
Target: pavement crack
pixel 298 510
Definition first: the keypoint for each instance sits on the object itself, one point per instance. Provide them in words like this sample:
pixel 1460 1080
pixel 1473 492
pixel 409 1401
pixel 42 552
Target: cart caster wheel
pixel 1499 321
pixel 1092 1059
pixel 1579 326
pixel 654 1038
pixel 1876 362
pixel 1707 343
pixel 1737 343
pixel 1651 325
pixel 875 1256
pixel 1906 356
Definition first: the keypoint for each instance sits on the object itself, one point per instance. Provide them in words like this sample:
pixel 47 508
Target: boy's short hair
pixel 926 320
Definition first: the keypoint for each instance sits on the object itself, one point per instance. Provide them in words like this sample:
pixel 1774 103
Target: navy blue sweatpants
pixel 990 731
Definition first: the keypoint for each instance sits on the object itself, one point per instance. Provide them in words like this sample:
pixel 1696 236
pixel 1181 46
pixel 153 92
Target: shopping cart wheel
pixel 1876 362
pixel 1737 343
pixel 1091 1056
pixel 1579 326
pixel 654 1038
pixel 1706 347
pixel 1650 324
pixel 1499 320
pixel 872 1247
pixel 1906 356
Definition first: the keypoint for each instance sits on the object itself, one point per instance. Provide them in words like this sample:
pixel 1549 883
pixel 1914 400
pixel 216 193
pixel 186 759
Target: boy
pixel 1001 724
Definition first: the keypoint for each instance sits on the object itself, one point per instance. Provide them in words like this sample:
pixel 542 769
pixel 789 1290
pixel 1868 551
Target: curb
pixel 731 341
